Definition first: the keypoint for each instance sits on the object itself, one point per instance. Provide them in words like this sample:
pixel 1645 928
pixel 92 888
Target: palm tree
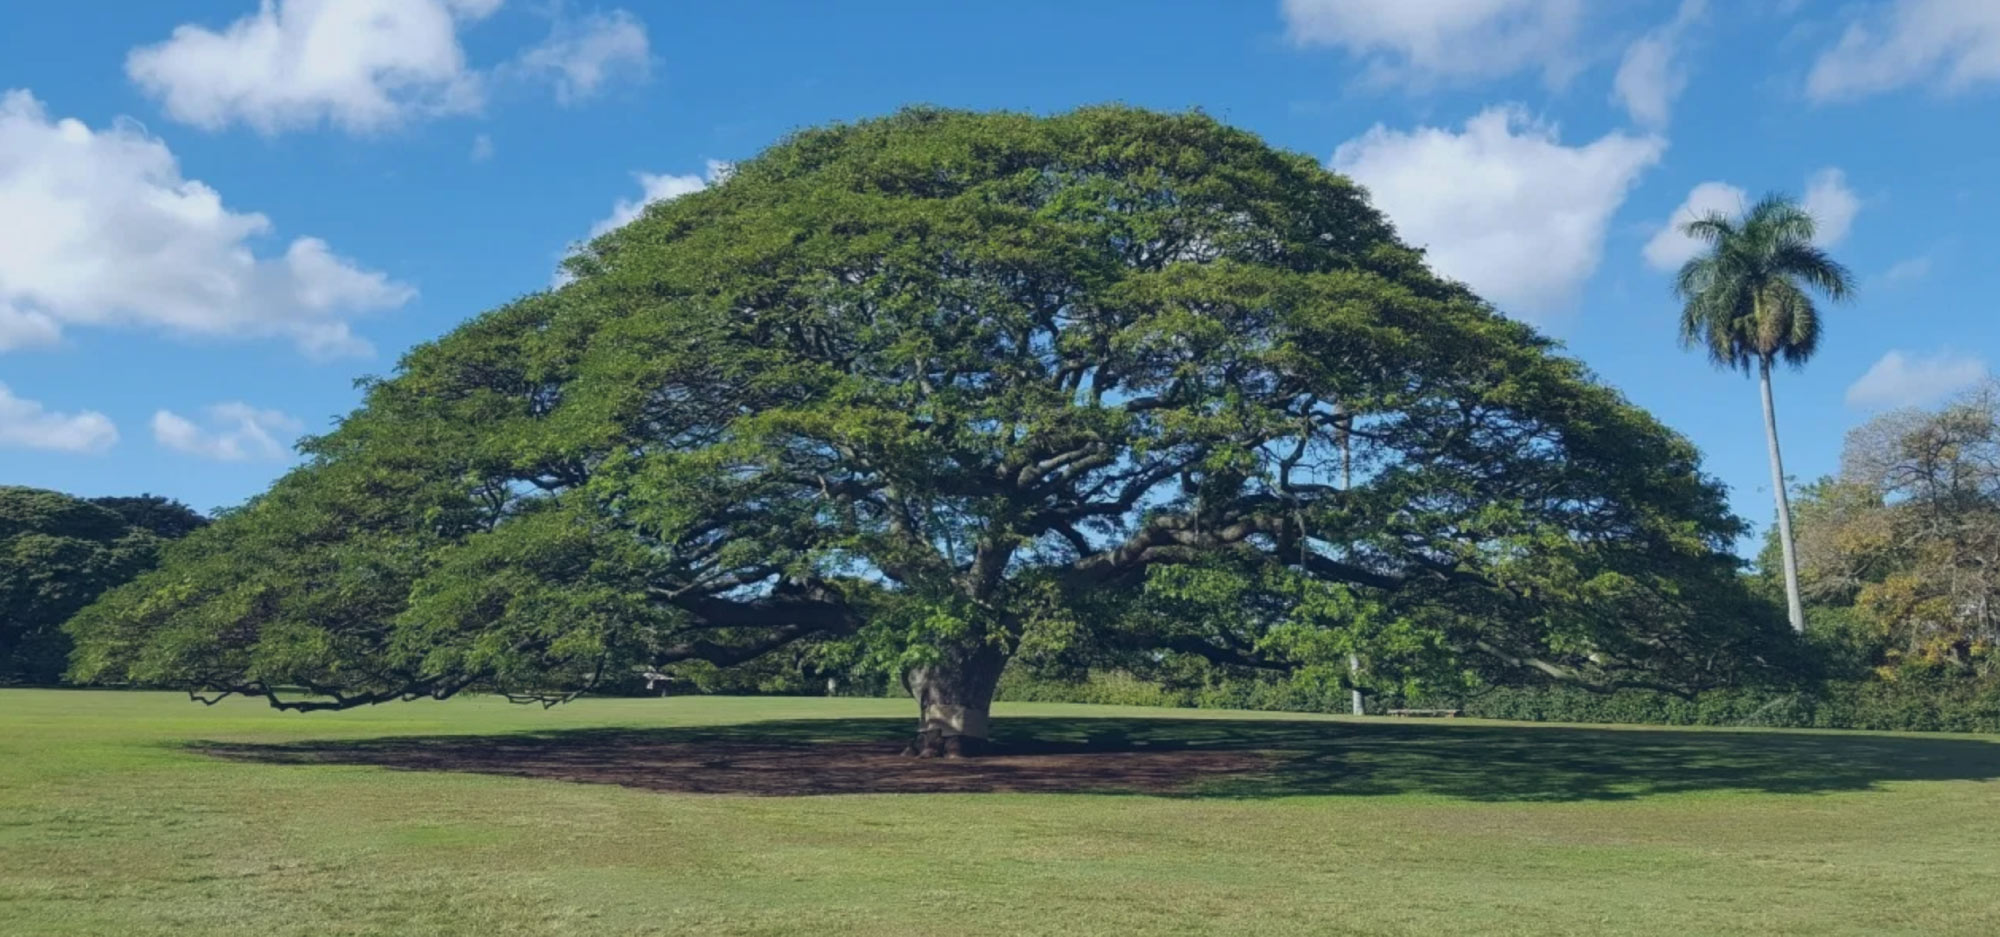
pixel 1747 300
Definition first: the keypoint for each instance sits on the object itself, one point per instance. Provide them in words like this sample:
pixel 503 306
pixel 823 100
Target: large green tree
pixel 1748 301
pixel 58 554
pixel 930 391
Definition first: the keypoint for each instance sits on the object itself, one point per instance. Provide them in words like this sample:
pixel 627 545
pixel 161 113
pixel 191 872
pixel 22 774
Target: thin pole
pixel 1344 424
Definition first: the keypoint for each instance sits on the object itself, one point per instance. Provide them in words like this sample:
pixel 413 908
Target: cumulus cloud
pixel 365 66
pixel 1832 204
pixel 1669 248
pixel 234 432
pixel 1443 39
pixel 1651 75
pixel 1504 205
pixel 26 424
pixel 658 187
pixel 361 65
pixel 581 55
pixel 1902 379
pixel 26 328
pixel 1950 45
pixel 482 148
pixel 97 227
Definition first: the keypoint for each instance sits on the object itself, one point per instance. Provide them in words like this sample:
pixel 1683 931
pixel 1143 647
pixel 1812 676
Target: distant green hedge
pixel 1914 706
pixel 1938 704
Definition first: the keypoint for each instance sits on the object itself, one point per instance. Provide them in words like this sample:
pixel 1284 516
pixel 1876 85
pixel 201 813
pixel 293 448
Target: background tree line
pixel 58 553
pixel 1899 552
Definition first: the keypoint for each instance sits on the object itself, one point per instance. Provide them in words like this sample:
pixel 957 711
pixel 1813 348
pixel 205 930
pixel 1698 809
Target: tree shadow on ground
pixel 1179 757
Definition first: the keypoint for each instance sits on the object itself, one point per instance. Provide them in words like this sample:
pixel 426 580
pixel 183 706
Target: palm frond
pixel 1816 268
pixel 1803 341
pixel 1746 299
pixel 1696 275
pixel 1791 330
pixel 1713 228
pixel 1779 219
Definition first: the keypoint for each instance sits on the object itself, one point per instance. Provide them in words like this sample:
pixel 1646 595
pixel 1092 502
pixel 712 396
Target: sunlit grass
pixel 110 823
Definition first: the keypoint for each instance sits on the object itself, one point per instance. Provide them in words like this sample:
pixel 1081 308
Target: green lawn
pixel 130 813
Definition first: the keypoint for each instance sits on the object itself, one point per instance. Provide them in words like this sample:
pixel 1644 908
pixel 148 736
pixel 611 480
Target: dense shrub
pixel 1113 688
pixel 1908 703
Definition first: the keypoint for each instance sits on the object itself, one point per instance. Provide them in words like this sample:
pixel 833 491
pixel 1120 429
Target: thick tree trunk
pixel 953 699
pixel 1793 607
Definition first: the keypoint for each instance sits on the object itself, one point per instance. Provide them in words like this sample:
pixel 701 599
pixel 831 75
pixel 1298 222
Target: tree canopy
pixel 934 390
pixel 165 517
pixel 57 554
pixel 1748 298
pixel 1903 540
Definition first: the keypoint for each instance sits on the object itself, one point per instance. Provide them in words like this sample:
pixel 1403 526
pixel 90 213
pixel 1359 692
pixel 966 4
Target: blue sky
pixel 215 215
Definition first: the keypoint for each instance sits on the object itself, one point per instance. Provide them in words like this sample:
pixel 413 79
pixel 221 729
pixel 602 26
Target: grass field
pixel 140 813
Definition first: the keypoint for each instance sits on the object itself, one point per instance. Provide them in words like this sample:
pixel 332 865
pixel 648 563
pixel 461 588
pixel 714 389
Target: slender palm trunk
pixel 1792 606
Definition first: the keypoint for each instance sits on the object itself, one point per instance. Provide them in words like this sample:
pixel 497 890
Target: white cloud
pixel 653 187
pixel 365 66
pixel 361 65
pixel 1832 204
pixel 1669 248
pixel 235 432
pixel 1444 39
pixel 26 424
pixel 482 148
pixel 1912 380
pixel 99 228
pixel 26 328
pixel 1950 44
pixel 658 188
pixel 1651 76
pixel 1503 206
pixel 1908 271
pixel 579 56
